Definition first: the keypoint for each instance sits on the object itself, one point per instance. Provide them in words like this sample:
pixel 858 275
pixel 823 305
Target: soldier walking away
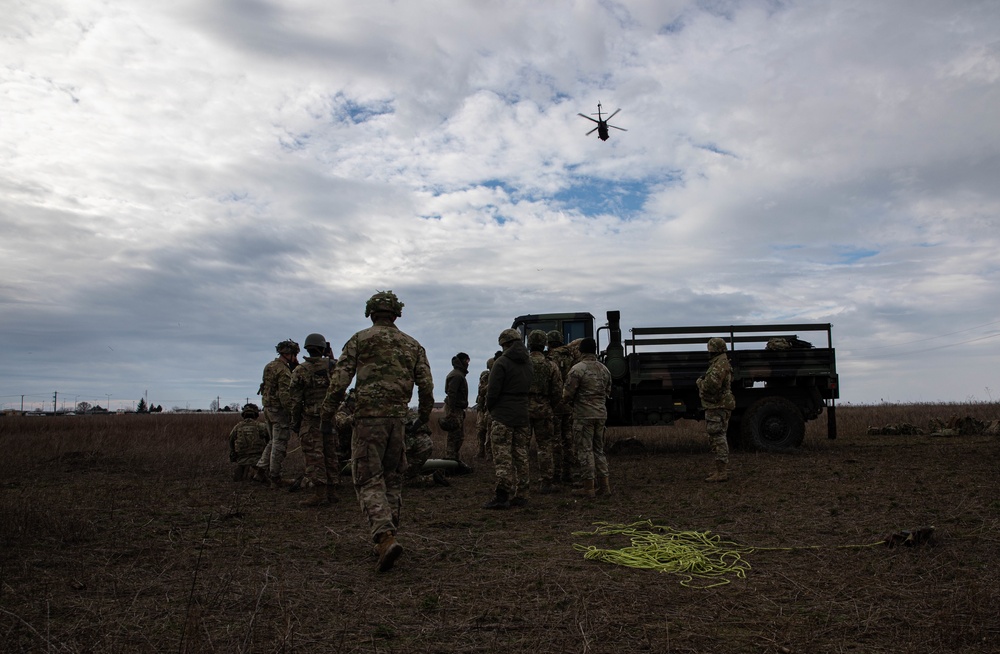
pixel 546 395
pixel 587 388
pixel 387 364
pixel 715 390
pixel 277 409
pixel 563 449
pixel 247 441
pixel 456 401
pixel 507 402
pixel 310 381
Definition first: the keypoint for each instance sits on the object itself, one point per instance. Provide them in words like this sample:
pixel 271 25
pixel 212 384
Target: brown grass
pixel 124 533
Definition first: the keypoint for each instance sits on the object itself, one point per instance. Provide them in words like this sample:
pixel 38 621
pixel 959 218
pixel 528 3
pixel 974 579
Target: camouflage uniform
pixel 586 390
pixel 507 402
pixel 482 415
pixel 546 394
pixel 277 413
pixel 456 401
pixel 418 450
pixel 308 386
pixel 563 450
pixel 387 363
pixel 247 441
pixel 715 390
pixel 344 420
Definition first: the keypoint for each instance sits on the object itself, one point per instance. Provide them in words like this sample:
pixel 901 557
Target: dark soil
pixel 112 549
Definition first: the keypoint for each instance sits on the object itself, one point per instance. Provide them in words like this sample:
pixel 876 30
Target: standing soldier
pixel 715 390
pixel 387 364
pixel 546 395
pixel 277 409
pixel 310 381
pixel 483 421
pixel 507 402
pixel 456 401
pixel 247 440
pixel 563 450
pixel 587 388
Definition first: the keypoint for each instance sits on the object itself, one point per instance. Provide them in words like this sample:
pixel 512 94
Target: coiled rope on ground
pixel 702 559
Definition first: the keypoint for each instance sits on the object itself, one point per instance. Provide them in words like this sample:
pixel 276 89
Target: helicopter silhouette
pixel 602 124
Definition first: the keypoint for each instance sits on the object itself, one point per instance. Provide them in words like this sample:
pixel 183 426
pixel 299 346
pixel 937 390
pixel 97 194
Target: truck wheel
pixel 773 424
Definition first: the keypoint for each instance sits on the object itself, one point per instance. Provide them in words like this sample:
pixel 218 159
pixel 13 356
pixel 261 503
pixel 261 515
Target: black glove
pixel 232 456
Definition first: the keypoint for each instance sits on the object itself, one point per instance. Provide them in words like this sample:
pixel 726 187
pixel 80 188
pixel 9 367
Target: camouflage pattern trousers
pixel 456 437
pixel 717 423
pixel 378 461
pixel 418 449
pixel 319 450
pixel 589 436
pixel 510 458
pixel 563 448
pixel 483 424
pixel 541 427
pixel 280 427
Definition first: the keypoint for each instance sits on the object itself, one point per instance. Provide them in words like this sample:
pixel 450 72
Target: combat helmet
pixel 315 342
pixel 384 301
pixel 716 345
pixel 250 411
pixel 555 336
pixel 508 336
pixel 287 347
pixel 537 339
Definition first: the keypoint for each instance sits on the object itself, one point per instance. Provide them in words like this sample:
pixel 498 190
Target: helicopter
pixel 602 124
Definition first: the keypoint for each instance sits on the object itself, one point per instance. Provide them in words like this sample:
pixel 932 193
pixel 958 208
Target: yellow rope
pixel 694 555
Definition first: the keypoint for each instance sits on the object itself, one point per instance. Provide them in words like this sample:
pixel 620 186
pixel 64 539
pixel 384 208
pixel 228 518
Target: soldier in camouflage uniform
pixel 247 441
pixel 546 395
pixel 277 409
pixel 387 364
pixel 456 401
pixel 563 450
pixel 310 381
pixel 715 390
pixel 418 450
pixel 587 388
pixel 507 402
pixel 483 420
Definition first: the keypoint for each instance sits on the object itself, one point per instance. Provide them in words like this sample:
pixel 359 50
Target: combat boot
pixel 318 497
pixel 586 491
pixel 388 551
pixel 603 488
pixel 720 473
pixel 499 501
pixel 275 482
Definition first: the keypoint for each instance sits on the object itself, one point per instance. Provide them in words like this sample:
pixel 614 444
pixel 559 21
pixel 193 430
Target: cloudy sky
pixel 187 183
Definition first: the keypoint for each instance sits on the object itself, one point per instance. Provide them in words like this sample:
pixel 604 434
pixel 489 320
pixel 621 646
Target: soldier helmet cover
pixel 384 301
pixel 288 346
pixel 250 411
pixel 537 339
pixel 509 336
pixel 716 345
pixel 315 342
pixel 555 336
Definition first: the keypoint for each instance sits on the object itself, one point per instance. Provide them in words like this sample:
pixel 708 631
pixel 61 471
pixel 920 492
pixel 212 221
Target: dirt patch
pixel 168 554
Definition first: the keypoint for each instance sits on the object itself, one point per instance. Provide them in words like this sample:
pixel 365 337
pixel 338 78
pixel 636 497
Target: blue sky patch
pixel 601 196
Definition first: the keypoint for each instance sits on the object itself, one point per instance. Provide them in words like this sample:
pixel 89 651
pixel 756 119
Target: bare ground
pixel 110 546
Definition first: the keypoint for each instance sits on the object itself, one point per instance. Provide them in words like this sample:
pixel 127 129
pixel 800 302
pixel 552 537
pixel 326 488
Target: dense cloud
pixel 186 186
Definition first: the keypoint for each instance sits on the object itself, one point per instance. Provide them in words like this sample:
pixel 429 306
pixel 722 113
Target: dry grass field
pixel 126 534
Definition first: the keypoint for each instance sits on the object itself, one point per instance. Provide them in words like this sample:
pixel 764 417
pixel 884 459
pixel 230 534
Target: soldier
pixel 345 430
pixel 456 401
pixel 715 390
pixel 482 415
pixel 563 454
pixel 246 441
pixel 586 390
pixel 546 395
pixel 507 402
pixel 277 409
pixel 310 381
pixel 418 450
pixel 387 363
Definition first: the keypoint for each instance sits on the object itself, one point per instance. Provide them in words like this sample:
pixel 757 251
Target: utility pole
pixel 55 400
pixel 22 404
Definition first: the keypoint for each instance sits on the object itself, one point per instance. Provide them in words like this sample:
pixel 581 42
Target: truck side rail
pixel 750 334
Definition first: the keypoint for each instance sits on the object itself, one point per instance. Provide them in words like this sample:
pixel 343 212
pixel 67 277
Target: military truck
pixel 780 380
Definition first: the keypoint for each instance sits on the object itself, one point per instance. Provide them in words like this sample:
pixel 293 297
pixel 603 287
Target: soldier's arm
pixel 340 379
pixel 570 387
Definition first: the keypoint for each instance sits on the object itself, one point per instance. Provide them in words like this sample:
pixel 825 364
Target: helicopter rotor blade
pixel 586 116
pixel 612 115
pixel 616 127
pixel 591 132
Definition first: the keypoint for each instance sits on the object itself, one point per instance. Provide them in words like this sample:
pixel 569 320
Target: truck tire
pixel 773 424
